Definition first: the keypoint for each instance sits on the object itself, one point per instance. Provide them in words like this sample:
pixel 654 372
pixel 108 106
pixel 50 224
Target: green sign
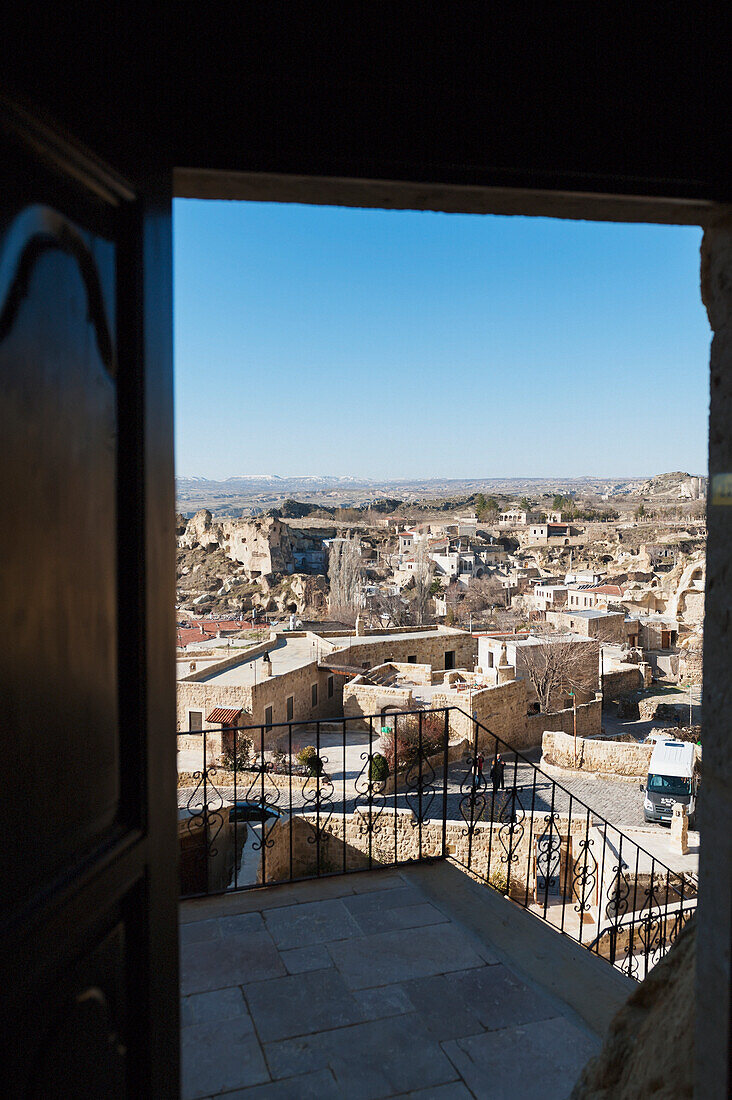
pixel 385 729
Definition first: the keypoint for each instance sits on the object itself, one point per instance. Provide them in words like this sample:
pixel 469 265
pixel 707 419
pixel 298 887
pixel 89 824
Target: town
pixel 562 632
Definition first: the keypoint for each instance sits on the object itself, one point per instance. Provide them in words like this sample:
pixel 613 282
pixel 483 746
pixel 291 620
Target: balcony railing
pixel 289 801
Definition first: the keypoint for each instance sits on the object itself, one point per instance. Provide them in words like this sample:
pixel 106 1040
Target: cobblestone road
pixel 617 801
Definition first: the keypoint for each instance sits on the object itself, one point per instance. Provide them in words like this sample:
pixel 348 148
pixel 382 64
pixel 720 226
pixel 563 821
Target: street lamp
pixel 573 697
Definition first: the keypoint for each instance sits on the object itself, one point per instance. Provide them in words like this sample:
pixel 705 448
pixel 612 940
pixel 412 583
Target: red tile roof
pixel 227 717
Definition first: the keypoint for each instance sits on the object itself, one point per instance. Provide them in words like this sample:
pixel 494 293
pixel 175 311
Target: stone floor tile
pixel 240 924
pixel 309 923
pixel 215 964
pixel 405 916
pixel 455 1005
pixel 378 900
pixel 371 1060
pixel 320 1085
pixel 386 1000
pixel 521 1063
pixel 376 880
pixel 301 1004
pixel 220 1056
pixel 389 957
pixel 456 1090
pixel 199 931
pixel 220 1004
pixel 300 959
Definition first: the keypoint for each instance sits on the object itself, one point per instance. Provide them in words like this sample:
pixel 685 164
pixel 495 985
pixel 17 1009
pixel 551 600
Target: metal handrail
pixel 355 815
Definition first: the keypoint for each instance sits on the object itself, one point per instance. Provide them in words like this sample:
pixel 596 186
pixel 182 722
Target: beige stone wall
pixel 621 682
pixel 428 651
pixel 589 722
pixel 273 692
pixel 360 699
pixel 298 683
pixel 347 844
pixel 502 709
pixel 204 697
pixel 610 757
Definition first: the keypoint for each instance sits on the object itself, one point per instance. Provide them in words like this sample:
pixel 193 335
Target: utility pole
pixel 574 724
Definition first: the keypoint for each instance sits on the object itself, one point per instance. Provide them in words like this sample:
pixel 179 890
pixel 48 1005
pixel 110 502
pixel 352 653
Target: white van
pixel 672 778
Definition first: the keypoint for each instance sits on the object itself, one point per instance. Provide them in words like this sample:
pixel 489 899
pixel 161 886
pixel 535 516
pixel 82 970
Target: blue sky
pixel 321 340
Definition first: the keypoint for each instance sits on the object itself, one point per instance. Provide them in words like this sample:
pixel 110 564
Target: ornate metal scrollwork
pixel 511 829
pixel 473 797
pixel 617 894
pixel 205 807
pixel 650 924
pixel 549 857
pixel 420 790
pixel 370 799
pixel 265 792
pixel 317 793
pixel 584 876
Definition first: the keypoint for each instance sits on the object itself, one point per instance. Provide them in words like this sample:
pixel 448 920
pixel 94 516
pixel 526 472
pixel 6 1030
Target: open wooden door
pixel 89 883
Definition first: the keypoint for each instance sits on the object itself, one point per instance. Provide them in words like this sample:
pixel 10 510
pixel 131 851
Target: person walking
pixel 497 773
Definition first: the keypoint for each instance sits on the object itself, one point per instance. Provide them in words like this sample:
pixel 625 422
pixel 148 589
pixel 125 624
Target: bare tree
pixel 561 665
pixel 422 584
pixel 345 574
pixel 391 610
pixel 484 592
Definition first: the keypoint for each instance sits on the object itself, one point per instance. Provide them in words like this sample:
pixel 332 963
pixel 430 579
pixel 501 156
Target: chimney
pixel 266 665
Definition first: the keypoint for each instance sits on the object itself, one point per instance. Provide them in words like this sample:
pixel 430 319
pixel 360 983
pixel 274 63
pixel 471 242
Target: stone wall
pixel 609 757
pixel 501 709
pixel 241 653
pixel 204 697
pixel 589 722
pixel 349 845
pixel 622 682
pixel 428 651
pixel 360 699
pixel 271 692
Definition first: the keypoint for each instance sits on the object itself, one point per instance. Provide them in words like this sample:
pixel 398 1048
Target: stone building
pixel 604 626
pixel 497 653
pixel 299 676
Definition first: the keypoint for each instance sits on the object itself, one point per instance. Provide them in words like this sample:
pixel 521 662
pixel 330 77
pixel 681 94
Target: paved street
pixel 618 801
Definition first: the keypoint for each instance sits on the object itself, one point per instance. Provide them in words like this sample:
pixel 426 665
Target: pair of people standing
pixel 497 771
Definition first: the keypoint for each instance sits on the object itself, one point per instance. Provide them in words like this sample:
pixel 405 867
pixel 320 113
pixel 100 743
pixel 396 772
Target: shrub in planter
pixel 403 743
pixel 378 768
pixel 237 753
pixel 499 880
pixel 309 758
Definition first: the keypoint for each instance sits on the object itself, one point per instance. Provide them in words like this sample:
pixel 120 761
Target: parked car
pixel 252 811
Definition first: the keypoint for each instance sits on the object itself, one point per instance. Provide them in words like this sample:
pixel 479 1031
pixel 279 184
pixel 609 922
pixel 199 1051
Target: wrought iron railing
pixel 401 787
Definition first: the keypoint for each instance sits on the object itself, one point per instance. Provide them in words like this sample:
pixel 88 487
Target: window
pixel 290 707
pixel 314 695
pixel 268 718
pixel 195 721
pixel 412 659
pixel 330 687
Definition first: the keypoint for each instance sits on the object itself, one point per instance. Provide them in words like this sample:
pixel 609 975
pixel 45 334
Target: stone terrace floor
pixel 369 985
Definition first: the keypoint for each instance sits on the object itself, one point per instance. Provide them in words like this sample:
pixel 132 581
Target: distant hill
pixel 255 493
pixel 677 485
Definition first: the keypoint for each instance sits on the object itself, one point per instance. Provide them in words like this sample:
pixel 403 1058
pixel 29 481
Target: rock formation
pixel 648 1053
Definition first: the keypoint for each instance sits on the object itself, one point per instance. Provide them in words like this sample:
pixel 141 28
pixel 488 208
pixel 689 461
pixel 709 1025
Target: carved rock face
pixel 650 1042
